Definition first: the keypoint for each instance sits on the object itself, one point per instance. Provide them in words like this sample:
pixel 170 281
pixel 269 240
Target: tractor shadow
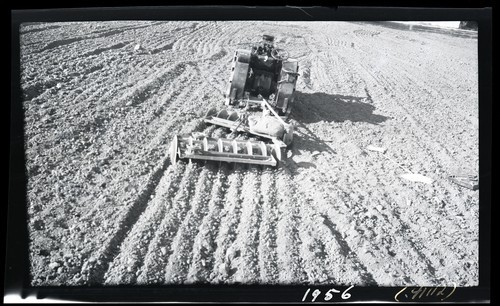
pixel 329 109
pixel 316 107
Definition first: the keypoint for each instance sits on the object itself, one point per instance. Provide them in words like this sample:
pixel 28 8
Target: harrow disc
pixel 211 112
pixel 233 116
pixel 223 114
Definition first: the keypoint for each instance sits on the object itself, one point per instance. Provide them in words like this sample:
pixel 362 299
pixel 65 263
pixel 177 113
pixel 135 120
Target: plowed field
pixel 106 205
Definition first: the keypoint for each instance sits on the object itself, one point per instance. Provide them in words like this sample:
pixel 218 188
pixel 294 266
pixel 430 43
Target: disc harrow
pixel 198 146
pixel 262 78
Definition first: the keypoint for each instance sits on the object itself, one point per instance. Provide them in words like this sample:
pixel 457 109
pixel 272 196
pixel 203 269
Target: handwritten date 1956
pixel 328 294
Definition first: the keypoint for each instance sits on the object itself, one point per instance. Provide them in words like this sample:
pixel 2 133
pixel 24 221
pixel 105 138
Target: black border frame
pixel 17 258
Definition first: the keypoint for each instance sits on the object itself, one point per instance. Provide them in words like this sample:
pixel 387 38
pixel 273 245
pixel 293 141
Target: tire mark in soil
pixel 205 241
pixel 424 238
pixel 231 213
pixel 163 48
pixel 39 88
pixel 362 226
pixel 363 32
pixel 110 251
pixel 290 263
pixel 125 27
pixel 380 79
pixel 242 255
pixel 186 42
pixel 320 250
pixel 330 73
pixel 219 55
pixel 441 151
pixel 103 49
pixel 59 43
pixel 182 245
pixel 39 29
pixel 431 271
pixel 367 220
pixel 421 88
pixel 160 248
pixel 419 240
pixel 88 124
pixel 370 253
pixel 124 268
pixel 190 27
pixel 347 252
pixel 268 257
pixel 67 41
pixel 145 89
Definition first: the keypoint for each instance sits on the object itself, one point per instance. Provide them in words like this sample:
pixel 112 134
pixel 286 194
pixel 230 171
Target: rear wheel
pixel 288 138
pixel 231 95
pixel 286 110
pixel 231 90
pixel 277 154
pixel 174 157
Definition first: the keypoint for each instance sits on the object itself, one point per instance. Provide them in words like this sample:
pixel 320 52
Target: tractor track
pixel 134 246
pixel 205 241
pixel 180 259
pixel 403 84
pixel 160 248
pixel 229 221
pixel 242 256
pixel 419 229
pixel 100 117
pixel 268 256
pixel 287 233
pixel 96 274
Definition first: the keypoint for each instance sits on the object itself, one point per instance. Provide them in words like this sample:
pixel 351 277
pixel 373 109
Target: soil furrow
pixel 67 41
pixel 182 245
pixel 440 157
pixel 31 29
pixel 410 240
pixel 331 258
pixel 159 250
pixel 421 119
pixel 268 257
pixel 291 265
pixel 100 50
pixel 125 266
pixel 231 215
pixel 110 251
pixel 421 233
pixel 203 261
pixel 242 255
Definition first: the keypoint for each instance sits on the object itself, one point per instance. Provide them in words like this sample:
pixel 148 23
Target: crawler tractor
pixel 258 102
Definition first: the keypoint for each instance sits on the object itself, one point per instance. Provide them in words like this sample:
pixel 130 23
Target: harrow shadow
pixel 303 143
